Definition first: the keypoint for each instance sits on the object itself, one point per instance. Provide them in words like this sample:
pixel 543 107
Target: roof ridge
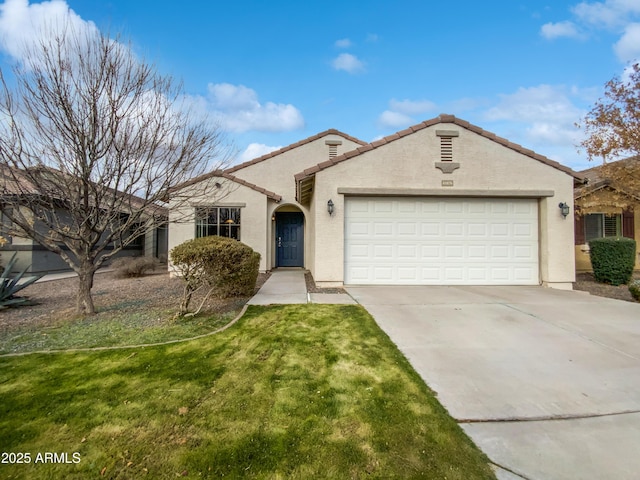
pixel 330 131
pixel 442 118
pixel 253 186
pixel 228 176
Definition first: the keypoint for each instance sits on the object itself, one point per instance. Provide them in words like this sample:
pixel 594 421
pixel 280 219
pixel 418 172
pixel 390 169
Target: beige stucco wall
pixel 408 163
pixel 583 262
pixel 253 216
pixel 277 175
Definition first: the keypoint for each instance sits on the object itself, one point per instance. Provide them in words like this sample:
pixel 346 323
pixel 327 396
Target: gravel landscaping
pixel 55 300
pixel 586 283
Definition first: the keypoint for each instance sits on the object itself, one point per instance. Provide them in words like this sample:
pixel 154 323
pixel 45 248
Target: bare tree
pixel 91 140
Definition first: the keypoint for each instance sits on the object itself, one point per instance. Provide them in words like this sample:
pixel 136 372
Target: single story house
pixel 441 203
pixel 36 258
pixel 607 205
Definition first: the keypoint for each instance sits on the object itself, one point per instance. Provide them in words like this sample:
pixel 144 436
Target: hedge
pixel 612 259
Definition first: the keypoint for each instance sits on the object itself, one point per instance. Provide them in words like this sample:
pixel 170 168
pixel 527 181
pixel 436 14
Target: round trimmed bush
pixel 228 266
pixel 612 259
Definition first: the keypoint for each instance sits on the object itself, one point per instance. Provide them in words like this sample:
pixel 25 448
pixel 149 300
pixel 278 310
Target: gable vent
pixel 446 149
pixel 446 144
pixel 333 147
pixel 446 163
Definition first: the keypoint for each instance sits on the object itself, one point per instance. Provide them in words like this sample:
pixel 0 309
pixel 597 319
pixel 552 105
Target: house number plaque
pixel 447 183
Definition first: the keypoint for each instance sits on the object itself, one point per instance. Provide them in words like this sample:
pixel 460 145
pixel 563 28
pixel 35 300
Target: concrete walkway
pixel 289 287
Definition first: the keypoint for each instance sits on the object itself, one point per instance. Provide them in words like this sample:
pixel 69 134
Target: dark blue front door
pixel 289 239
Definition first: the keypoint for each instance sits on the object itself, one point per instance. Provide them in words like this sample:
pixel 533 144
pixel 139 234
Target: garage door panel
pixel 383 273
pixel 441 241
pixel 407 229
pixel 382 206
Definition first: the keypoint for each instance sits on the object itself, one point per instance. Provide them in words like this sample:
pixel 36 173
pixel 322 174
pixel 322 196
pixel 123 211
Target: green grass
pixel 311 391
pixel 113 327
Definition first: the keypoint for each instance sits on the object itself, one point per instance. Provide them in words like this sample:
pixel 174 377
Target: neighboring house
pixel 441 203
pixel 154 242
pixel 608 205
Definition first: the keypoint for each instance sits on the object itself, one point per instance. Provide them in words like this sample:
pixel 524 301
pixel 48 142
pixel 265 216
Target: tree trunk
pixel 84 304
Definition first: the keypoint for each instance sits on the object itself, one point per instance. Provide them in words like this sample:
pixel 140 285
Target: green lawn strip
pixel 113 328
pixel 295 391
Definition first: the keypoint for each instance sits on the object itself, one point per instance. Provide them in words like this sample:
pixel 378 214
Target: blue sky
pixel 277 72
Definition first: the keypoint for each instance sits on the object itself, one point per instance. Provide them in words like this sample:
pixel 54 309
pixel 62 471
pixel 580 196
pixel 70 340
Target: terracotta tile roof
pixel 443 118
pixel 227 172
pixel 331 131
pixel 233 178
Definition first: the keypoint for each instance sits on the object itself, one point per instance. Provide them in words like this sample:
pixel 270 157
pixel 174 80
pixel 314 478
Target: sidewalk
pixel 289 287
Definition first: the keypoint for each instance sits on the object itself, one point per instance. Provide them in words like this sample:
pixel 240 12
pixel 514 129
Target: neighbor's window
pixel 598 225
pixel 138 240
pixel 222 221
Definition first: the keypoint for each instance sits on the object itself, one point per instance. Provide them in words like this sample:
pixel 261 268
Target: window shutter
pixel 579 229
pixel 628 226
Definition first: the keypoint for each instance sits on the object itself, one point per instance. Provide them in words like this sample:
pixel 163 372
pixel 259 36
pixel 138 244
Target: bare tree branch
pixel 91 141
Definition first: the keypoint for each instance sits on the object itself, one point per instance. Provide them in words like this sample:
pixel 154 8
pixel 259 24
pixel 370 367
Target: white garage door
pixel 441 241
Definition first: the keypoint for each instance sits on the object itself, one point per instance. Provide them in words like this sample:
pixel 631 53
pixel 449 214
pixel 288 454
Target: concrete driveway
pixel 546 382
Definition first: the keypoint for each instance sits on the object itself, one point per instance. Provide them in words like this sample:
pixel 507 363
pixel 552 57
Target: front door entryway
pixel 289 239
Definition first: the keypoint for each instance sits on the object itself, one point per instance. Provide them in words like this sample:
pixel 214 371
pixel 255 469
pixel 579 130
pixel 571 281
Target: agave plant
pixel 9 286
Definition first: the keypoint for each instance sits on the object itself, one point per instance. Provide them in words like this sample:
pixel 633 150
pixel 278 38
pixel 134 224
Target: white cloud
pixel 547 113
pixel 607 14
pixel 238 110
pixel 349 63
pixel 372 37
pixel 617 16
pixel 22 24
pixel 255 150
pixel 534 103
pixel 343 43
pixel 628 47
pixel 560 29
pixel 401 113
pixel 390 119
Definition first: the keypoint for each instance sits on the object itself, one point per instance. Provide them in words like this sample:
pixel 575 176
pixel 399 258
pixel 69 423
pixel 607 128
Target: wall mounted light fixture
pixel 564 209
pixel 330 207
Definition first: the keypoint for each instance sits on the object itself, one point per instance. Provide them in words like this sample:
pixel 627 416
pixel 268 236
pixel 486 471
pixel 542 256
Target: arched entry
pixel 289 238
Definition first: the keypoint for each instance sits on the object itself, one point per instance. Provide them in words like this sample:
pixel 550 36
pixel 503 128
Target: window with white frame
pixel 222 221
pixel 598 225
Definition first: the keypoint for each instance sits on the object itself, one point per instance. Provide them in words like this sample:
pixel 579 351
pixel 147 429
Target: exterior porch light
pixel 330 207
pixel 564 209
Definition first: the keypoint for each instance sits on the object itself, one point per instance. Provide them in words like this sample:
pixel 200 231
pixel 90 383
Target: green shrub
pixel 612 259
pixel 223 266
pixel 634 288
pixel 130 267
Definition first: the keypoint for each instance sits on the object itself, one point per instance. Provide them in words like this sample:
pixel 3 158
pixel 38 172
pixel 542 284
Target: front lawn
pixel 296 391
